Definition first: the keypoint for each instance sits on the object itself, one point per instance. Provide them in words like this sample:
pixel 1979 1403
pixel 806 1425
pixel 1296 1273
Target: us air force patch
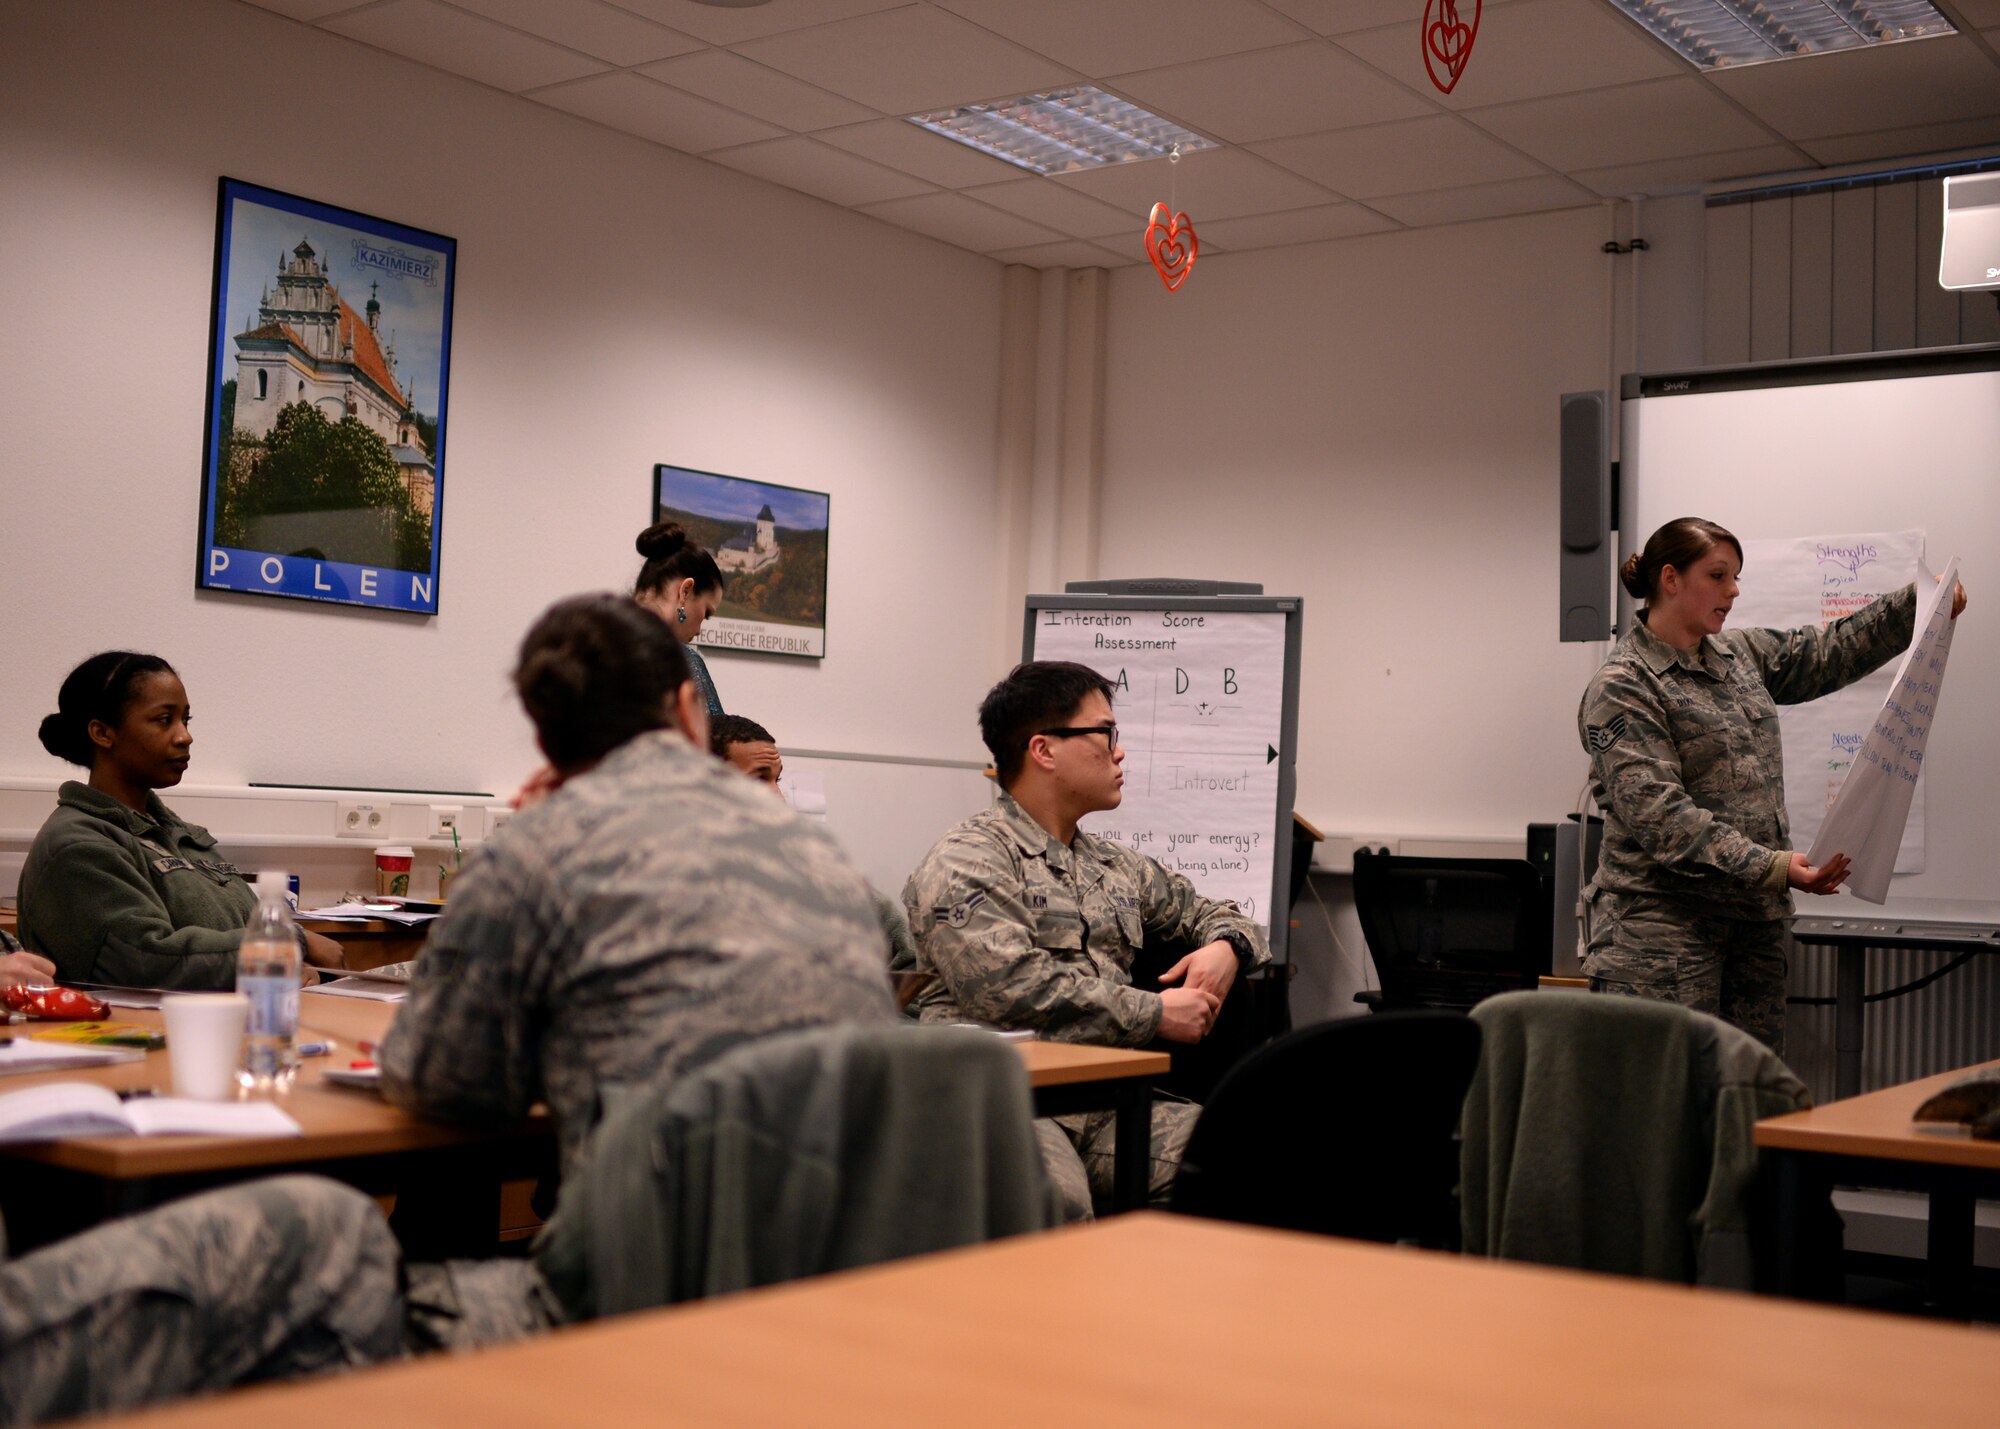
pixel 1603 736
pixel 959 914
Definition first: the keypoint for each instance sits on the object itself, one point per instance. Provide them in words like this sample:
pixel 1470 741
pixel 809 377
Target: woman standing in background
pixel 681 584
pixel 117 888
pixel 1691 899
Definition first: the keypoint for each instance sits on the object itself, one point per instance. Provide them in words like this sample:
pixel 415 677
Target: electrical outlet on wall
pixel 361 821
pixel 446 819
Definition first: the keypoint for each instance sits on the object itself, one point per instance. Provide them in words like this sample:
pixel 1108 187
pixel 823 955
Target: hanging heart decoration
pixel 1171 244
pixel 1448 41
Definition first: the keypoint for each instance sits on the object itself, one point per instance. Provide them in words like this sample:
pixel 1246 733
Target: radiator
pixel 1950 1024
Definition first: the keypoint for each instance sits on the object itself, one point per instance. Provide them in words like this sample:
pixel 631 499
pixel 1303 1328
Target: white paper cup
pixel 205 1041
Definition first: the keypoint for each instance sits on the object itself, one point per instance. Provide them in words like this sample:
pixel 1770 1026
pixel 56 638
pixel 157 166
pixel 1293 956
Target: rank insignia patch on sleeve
pixel 1603 736
pixel 959 914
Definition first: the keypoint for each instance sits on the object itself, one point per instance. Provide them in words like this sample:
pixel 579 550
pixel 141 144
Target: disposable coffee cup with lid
pixel 392 870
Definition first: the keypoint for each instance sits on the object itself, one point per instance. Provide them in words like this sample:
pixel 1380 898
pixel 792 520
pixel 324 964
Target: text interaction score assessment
pixel 1199 700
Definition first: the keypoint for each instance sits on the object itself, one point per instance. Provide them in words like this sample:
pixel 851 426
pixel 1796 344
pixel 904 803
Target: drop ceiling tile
pixel 1404 157
pixel 731 80
pixel 652 111
pixel 902 145
pixel 907 60
pixel 1267 94
pixel 1053 206
pixel 463 44
pixel 957 219
pixel 730 25
pixel 306 10
pixel 1658 119
pixel 1484 201
pixel 1980 14
pixel 1338 17
pixel 1526 50
pixel 1117 36
pixel 1899 86
pixel 1304 225
pixel 597 29
pixel 1070 254
pixel 1683 175
pixel 1215 183
pixel 1917 143
pixel 801 164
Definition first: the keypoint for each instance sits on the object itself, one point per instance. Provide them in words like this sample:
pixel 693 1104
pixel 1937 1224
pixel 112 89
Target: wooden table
pixel 1871 1140
pixel 1155 1320
pixel 354 1136
pixel 371 943
pixel 53 1188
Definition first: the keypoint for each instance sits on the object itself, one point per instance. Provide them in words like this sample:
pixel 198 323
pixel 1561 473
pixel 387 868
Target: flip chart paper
pixel 1815 580
pixel 1199 700
pixel 1866 820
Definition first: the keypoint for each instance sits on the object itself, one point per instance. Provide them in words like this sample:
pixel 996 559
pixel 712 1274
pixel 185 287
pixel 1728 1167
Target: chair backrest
pixel 1447 932
pixel 795 1155
pixel 1614 1134
pixel 1347 1128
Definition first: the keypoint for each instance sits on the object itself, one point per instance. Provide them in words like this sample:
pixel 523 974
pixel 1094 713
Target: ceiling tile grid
pixel 1327 124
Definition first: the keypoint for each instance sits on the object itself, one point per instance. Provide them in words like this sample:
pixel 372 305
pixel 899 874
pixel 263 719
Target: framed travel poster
pixel 770 543
pixel 329 364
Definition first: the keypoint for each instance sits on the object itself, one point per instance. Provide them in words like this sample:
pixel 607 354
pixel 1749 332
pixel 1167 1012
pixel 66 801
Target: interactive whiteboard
pixel 1888 442
pixel 1205 692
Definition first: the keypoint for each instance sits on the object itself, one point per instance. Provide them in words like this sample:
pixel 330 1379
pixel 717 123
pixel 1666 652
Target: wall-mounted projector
pixel 1970 259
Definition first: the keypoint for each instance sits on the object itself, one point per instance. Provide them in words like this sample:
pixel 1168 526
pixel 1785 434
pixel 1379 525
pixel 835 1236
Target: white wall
pixel 617 305
pixel 1371 424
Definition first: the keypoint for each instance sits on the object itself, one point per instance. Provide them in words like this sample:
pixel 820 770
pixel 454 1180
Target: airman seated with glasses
pixel 1029 921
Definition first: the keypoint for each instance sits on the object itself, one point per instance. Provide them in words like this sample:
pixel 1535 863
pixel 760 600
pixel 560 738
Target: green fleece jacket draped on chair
pixel 1614 1133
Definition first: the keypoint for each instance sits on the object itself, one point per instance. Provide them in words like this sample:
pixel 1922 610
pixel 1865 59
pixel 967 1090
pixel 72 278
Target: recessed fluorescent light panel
pixel 1063 130
pixel 1727 34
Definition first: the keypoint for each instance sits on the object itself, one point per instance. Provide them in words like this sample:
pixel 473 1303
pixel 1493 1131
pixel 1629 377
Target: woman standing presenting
pixel 681 584
pixel 116 887
pixel 1690 901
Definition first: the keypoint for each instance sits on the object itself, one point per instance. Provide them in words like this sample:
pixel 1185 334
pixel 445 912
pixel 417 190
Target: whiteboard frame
pixel 1293 609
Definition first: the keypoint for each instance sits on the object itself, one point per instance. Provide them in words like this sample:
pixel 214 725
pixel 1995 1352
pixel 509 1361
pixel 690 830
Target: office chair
pixel 1448 932
pixel 1345 1128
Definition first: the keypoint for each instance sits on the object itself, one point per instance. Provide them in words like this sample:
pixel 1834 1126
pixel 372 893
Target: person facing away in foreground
pixel 1691 901
pixel 117 888
pixel 258 1282
pixel 652 912
pixel 1028 921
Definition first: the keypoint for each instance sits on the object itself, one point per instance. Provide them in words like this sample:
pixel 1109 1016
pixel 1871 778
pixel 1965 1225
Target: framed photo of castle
pixel 329 364
pixel 770 543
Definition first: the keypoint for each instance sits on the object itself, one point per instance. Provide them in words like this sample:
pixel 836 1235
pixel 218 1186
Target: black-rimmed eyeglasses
pixel 1109 731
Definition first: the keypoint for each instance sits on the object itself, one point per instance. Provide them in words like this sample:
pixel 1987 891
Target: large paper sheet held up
pixel 1866 820
pixel 1815 580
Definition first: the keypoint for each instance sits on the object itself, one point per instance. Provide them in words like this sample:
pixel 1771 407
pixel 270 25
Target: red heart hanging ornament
pixel 1172 245
pixel 1448 41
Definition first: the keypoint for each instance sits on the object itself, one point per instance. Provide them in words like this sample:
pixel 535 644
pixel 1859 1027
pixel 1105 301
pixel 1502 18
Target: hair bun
pixel 661 540
pixel 1628 576
pixel 58 737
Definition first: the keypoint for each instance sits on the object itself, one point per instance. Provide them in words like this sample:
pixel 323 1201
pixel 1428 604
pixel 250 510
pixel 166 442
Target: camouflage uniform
pixel 1689 903
pixel 109 894
pixel 1025 932
pixel 263 1281
pixel 644 919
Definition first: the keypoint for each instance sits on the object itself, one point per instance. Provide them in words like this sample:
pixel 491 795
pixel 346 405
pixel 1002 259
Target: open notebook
pixel 61 1109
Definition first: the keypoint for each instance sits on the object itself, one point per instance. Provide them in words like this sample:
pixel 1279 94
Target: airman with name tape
pixel 1690 901
pixel 1030 922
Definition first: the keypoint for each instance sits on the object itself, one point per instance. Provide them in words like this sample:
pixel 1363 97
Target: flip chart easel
pixel 1206 695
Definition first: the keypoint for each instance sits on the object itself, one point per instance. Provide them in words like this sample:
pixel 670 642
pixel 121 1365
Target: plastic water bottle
pixel 267 972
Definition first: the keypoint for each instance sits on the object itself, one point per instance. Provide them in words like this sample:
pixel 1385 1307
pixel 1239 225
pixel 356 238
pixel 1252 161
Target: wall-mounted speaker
pixel 1587 542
